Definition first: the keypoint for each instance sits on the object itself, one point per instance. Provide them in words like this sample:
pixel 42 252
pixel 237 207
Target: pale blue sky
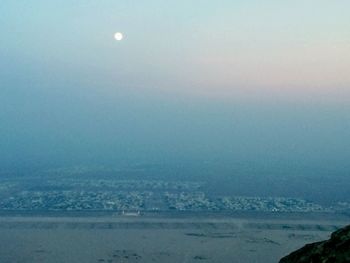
pixel 192 80
pixel 198 45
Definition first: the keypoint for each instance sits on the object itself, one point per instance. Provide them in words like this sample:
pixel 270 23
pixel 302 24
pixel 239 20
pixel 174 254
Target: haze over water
pixel 216 84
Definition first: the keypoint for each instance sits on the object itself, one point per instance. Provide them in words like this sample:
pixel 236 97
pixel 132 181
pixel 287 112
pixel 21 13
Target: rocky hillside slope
pixel 334 250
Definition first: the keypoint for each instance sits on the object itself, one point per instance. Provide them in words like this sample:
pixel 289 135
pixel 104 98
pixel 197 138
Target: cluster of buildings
pixel 199 202
pixel 87 200
pixel 75 200
pixel 68 194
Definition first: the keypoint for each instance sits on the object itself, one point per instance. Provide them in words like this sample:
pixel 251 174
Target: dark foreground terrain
pixel 334 250
pixel 156 239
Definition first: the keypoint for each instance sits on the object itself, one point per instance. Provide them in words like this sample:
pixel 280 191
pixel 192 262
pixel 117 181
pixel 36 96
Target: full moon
pixel 118 36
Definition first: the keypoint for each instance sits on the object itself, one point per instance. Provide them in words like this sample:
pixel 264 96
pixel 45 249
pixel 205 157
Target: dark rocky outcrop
pixel 334 250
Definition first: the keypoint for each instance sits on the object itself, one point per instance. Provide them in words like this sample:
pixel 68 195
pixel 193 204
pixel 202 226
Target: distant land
pixel 83 189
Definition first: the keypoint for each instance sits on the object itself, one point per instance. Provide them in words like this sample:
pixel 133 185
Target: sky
pixel 192 81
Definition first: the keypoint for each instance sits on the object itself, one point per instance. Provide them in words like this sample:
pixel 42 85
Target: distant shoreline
pixel 183 214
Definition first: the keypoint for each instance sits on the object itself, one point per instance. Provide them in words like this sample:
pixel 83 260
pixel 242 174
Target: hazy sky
pixel 191 80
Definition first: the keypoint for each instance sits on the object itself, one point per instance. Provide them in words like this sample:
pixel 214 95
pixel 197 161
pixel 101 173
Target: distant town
pixel 138 196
